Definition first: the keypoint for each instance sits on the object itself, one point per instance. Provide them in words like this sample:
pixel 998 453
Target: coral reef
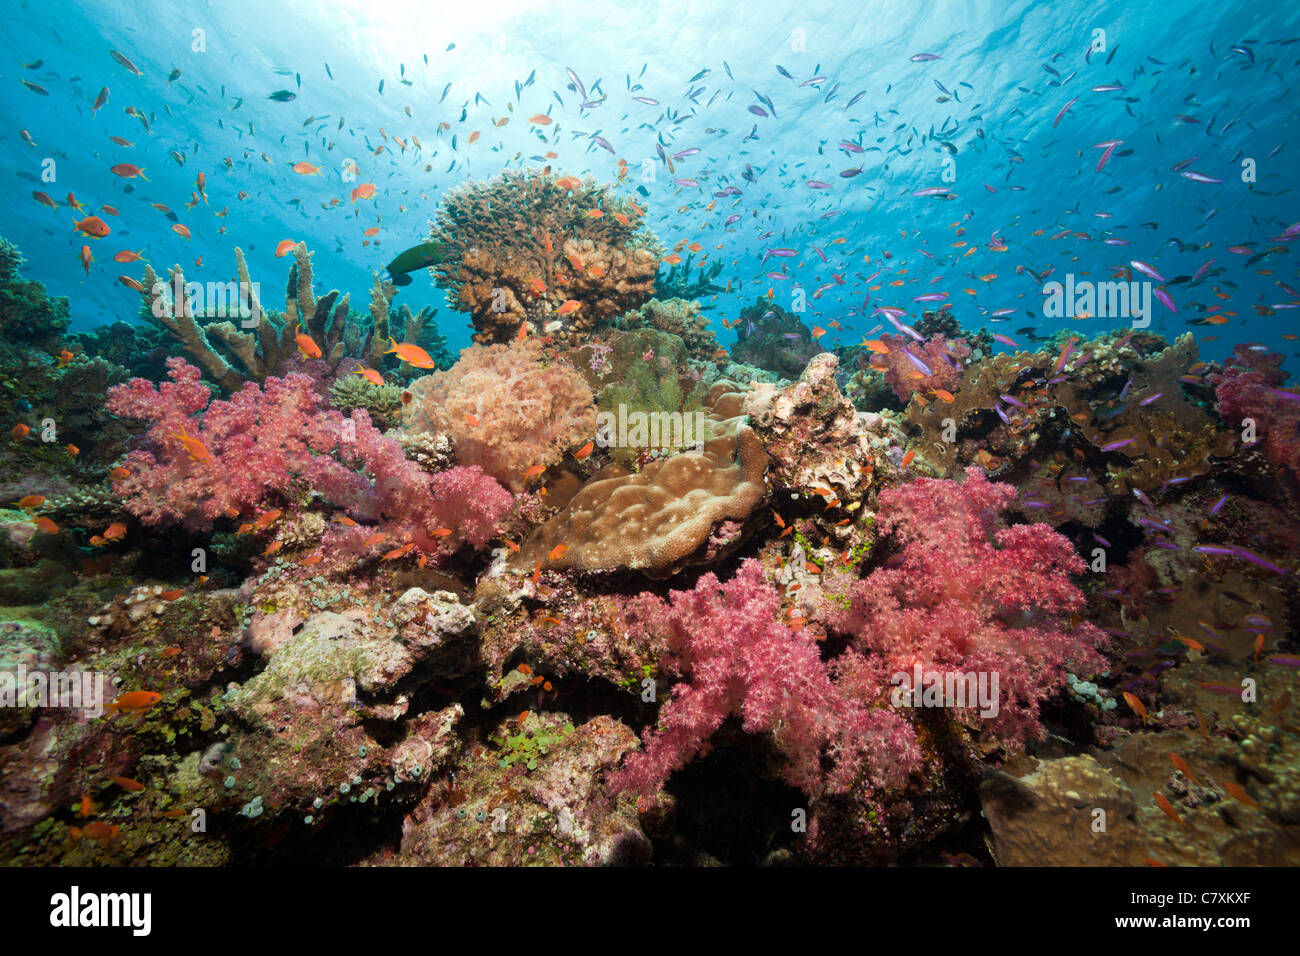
pixel 1250 393
pixel 29 318
pixel 212 459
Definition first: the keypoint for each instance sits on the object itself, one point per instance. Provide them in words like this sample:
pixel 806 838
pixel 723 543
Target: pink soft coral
pixel 1249 388
pixel 739 659
pixel 943 357
pixel 505 409
pixel 276 442
pixel 970 595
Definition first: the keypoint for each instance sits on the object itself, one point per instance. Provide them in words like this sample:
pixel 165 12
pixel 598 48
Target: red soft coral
pixel 739 659
pixel 943 357
pixel 1249 389
pixel 275 441
pixel 971 595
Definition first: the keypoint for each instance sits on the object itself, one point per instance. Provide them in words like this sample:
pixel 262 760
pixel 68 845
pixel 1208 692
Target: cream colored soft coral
pixel 504 409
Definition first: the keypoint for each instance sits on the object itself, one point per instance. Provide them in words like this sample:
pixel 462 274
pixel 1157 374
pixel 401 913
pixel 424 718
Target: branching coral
pixel 677 283
pixel 740 660
pixel 262 341
pixel 504 408
pixel 207 459
pixel 517 247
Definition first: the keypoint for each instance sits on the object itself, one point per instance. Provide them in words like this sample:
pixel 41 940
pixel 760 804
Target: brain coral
pixel 652 519
pixel 517 247
pixel 504 409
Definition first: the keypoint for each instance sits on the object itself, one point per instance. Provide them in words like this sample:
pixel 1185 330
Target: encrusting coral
pixel 656 518
pixel 518 247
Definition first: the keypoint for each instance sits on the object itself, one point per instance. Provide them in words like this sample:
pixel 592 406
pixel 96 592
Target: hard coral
pixel 263 341
pixel 515 248
pixel 505 410
pixel 654 519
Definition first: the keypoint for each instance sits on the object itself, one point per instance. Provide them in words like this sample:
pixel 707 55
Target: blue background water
pixel 1171 59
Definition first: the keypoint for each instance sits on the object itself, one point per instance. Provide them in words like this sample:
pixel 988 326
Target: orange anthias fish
pixel 196 449
pixel 370 375
pixel 86 258
pixel 1238 793
pixel 99 831
pixel 46 525
pixel 134 702
pixel 570 306
pixel 557 552
pixel 285 247
pixel 126 783
pixel 534 471
pixel 181 229
pixel 129 171
pixel 307 346
pixel 91 226
pixel 585 451
pixel 412 355
pixel 364 191
pixel 1181 765
pixel 1163 803
pixel 1139 708
pixel 115 531
pixel 31 501
pixel 20 431
pixel 306 169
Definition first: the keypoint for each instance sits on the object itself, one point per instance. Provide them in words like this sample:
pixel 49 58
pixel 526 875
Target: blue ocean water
pixel 995 109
